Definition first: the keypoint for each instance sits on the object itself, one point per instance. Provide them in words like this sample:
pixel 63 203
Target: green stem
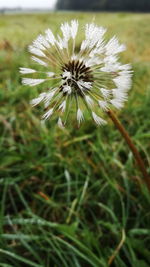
pixel 134 150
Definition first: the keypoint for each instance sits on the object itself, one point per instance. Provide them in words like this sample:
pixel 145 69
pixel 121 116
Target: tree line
pixel 104 5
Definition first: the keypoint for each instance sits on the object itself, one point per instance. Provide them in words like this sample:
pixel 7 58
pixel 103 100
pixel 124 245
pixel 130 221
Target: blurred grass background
pixel 71 198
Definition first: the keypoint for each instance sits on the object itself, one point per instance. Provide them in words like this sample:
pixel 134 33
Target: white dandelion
pixel 90 77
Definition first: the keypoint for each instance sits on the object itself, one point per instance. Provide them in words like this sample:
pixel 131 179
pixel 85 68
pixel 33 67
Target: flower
pixel 89 78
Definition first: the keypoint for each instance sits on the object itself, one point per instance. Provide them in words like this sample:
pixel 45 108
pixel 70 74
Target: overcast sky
pixel 28 3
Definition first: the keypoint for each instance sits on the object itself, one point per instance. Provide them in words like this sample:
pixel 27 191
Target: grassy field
pixel 71 198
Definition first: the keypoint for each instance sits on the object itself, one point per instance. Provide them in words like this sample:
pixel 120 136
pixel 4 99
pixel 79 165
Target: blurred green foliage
pixel 72 198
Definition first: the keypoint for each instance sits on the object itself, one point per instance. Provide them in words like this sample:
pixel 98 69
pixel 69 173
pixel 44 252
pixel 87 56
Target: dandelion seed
pixel 60 123
pixel 80 117
pixel 50 37
pixel 117 103
pixel 105 93
pixel 50 74
pixel 32 82
pixel 39 61
pixel 120 94
pixel 36 51
pixel 74 28
pixel 98 120
pixel 89 100
pixel 26 71
pixel 123 81
pixel 65 28
pixel 103 105
pixel 48 114
pixel 63 106
pixel 42 40
pixel 37 100
pixel 48 97
pixel 113 47
pixel 89 77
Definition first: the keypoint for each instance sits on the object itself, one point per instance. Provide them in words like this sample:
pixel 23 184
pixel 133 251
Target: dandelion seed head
pixel 88 78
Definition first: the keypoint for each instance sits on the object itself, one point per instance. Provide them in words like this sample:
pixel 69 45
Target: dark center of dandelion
pixel 77 76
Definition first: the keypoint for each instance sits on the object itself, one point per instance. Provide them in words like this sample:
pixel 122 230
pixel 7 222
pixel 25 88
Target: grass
pixel 71 198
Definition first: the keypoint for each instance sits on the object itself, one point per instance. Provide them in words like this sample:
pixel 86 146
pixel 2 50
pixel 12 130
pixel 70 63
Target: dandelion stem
pixel 134 150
